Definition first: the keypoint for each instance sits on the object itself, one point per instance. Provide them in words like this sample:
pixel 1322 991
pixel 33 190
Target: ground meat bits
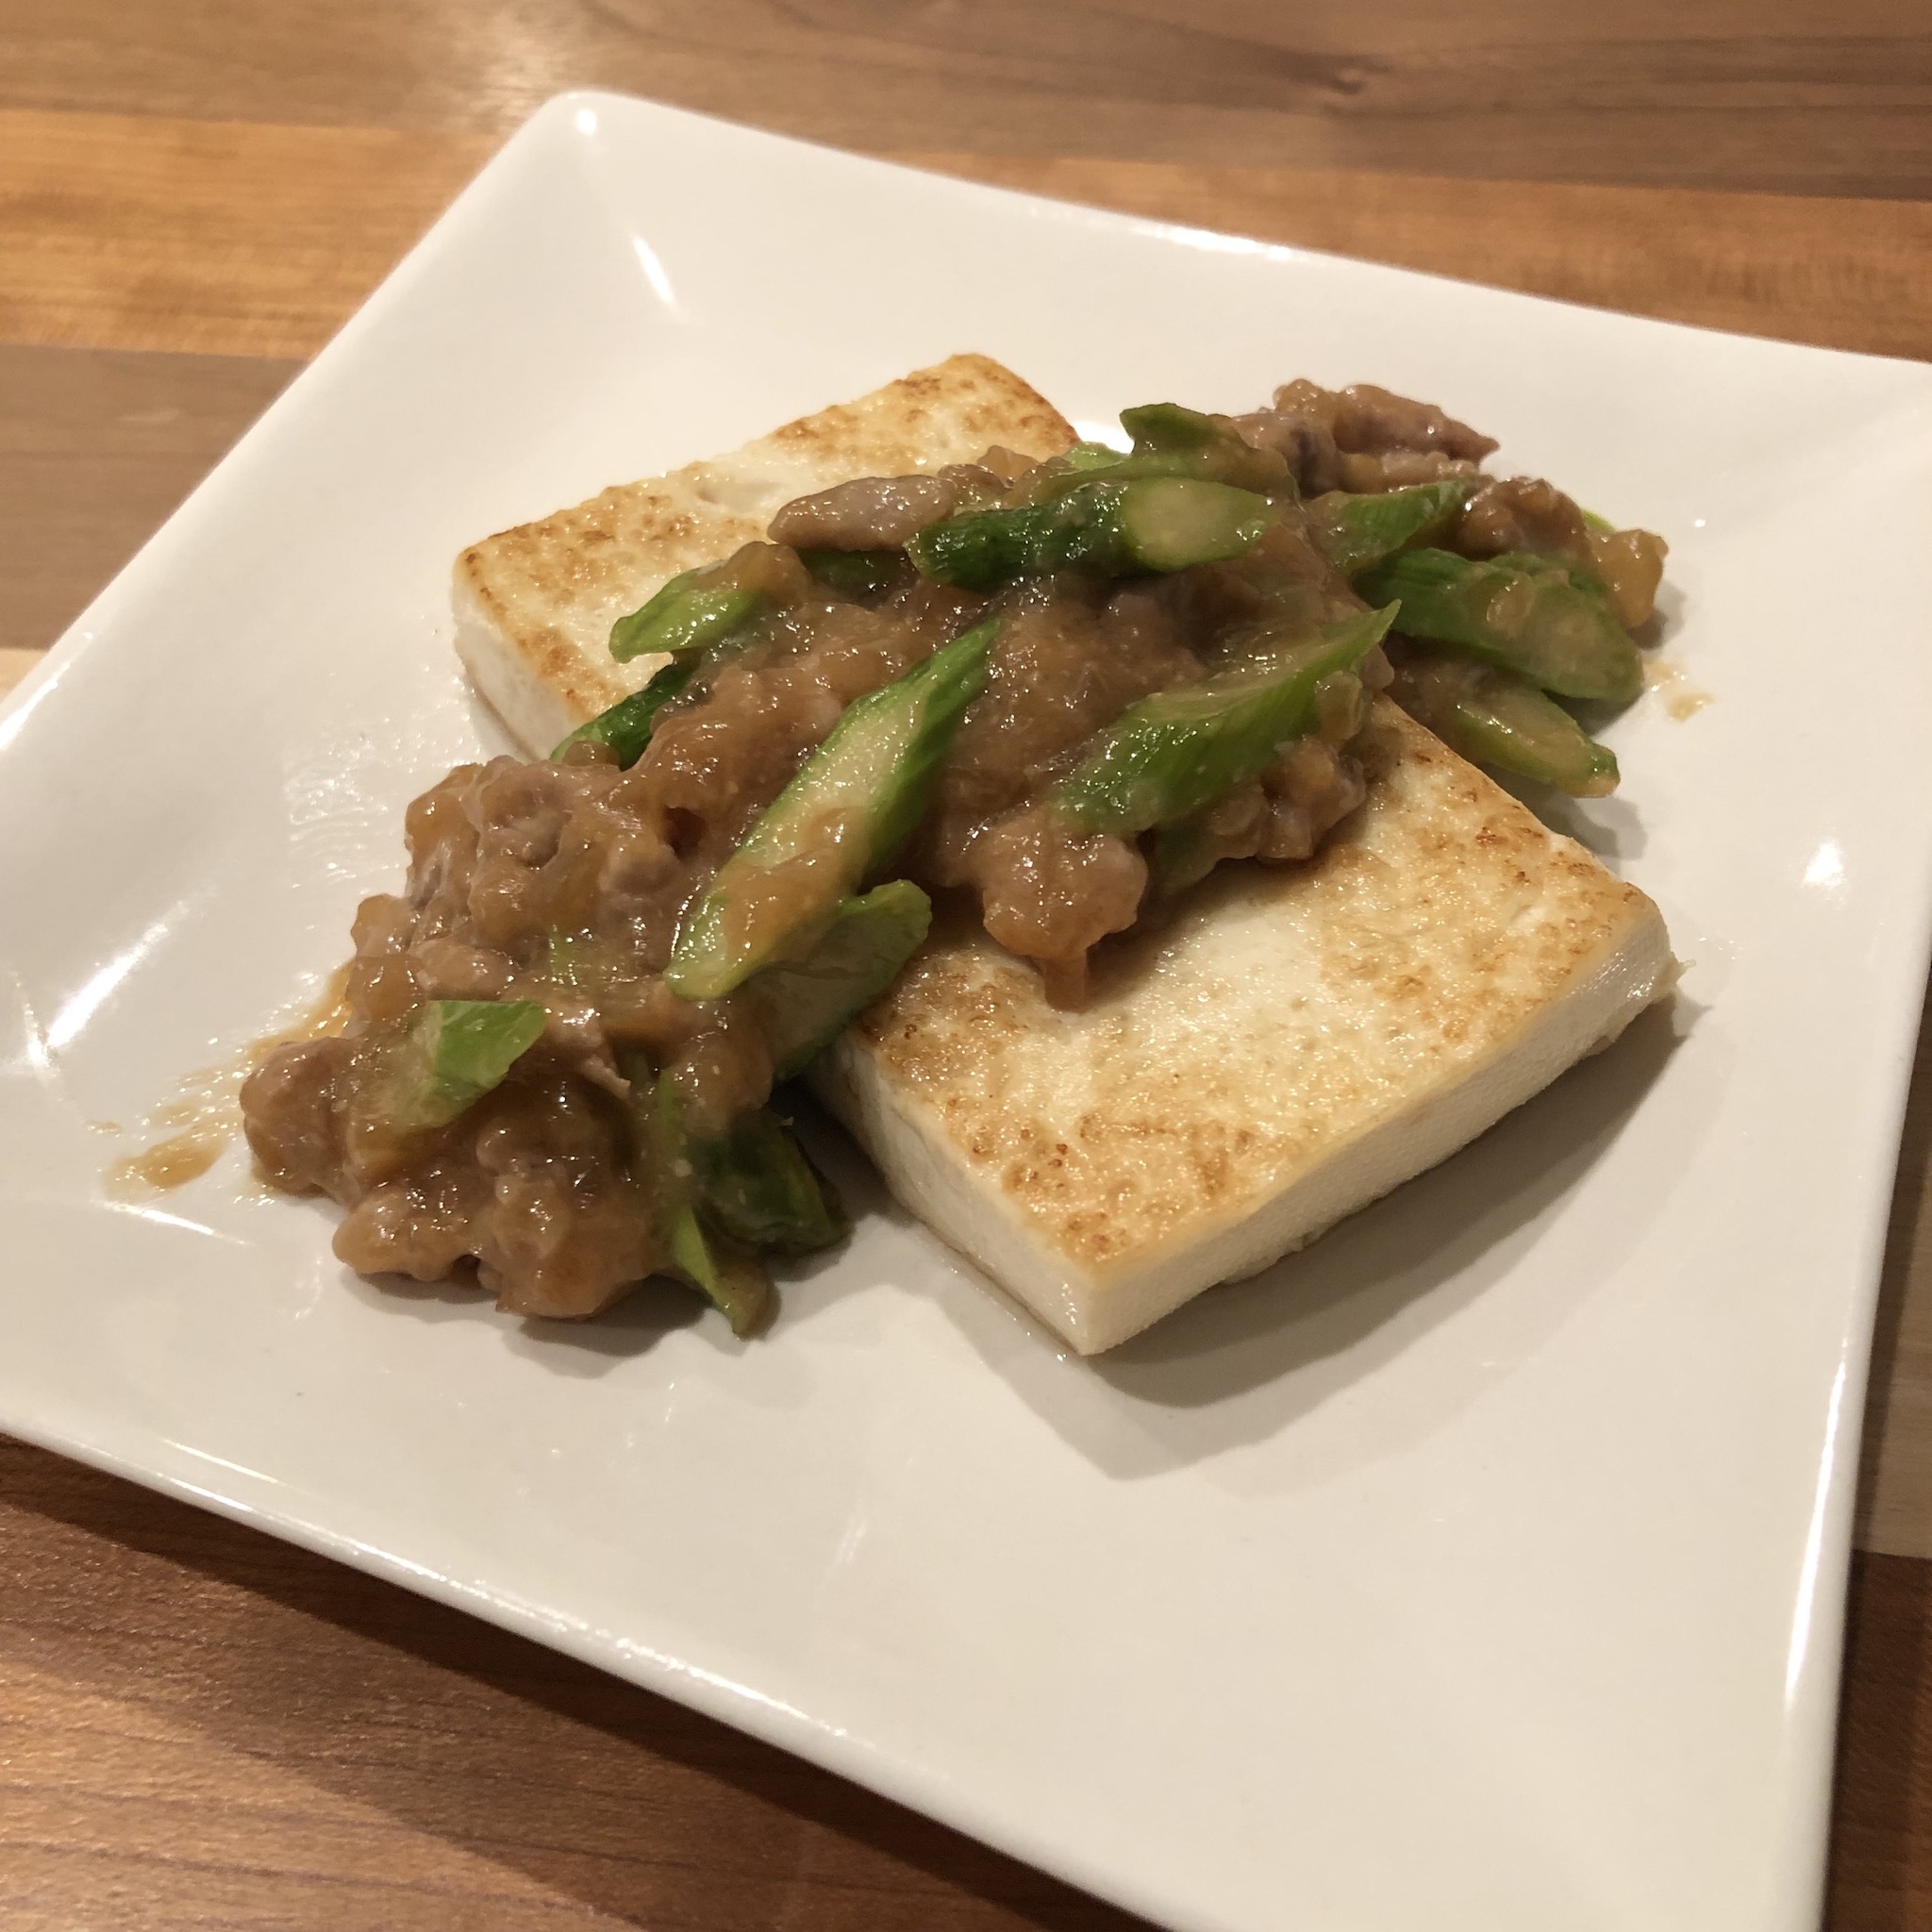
pixel 1363 439
pixel 1525 513
pixel 881 512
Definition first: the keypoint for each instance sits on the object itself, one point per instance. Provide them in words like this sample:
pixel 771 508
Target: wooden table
pixel 202 1726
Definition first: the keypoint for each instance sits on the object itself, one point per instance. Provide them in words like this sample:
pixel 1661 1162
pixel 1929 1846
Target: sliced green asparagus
pixel 1101 529
pixel 686 616
pixel 730 1276
pixel 1177 751
pixel 449 1055
pixel 1091 456
pixel 853 805
pixel 454 1052
pixel 1521 613
pixel 626 726
pixel 756 1188
pixel 1495 718
pixel 1184 854
pixel 804 1006
pixel 1169 440
pixel 857 573
pixel 1356 532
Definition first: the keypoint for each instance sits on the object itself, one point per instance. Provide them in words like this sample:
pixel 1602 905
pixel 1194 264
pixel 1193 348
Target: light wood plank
pixel 1847 274
pixel 15 662
pixel 218 238
pixel 198 1725
pixel 1783 95
pixel 235 238
pixel 96 447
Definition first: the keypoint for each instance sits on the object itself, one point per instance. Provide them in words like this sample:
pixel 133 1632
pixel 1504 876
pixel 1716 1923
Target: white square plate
pixel 1481 1568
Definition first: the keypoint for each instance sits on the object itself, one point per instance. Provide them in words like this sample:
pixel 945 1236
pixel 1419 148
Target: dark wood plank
pixel 198 1725
pixel 96 448
pixel 1894 1512
pixel 1881 1865
pixel 1792 95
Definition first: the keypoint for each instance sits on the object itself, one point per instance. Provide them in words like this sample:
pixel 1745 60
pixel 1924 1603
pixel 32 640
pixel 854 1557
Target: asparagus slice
pixel 1103 528
pixel 806 1006
pixel 685 617
pixel 1494 718
pixel 1177 751
pixel 626 726
pixel 756 1188
pixel 451 1054
pixel 843 816
pixel 1091 456
pixel 729 1275
pixel 454 1052
pixel 730 1278
pixel 857 573
pixel 1170 440
pixel 1521 613
pixel 1359 531
pixel 1183 854
pixel 1173 427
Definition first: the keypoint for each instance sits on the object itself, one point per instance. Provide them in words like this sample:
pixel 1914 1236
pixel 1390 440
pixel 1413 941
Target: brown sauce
pixel 1680 697
pixel 178 1160
pixel 205 1110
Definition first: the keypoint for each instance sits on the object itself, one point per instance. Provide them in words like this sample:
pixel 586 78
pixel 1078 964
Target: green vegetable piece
pixel 1170 427
pixel 685 617
pixel 728 1276
pixel 857 573
pixel 1520 613
pixel 1495 718
pixel 1359 531
pixel 805 1005
pixel 626 726
pixel 1179 750
pixel 843 816
pixel 454 1052
pixel 1102 528
pixel 1173 442
pixel 1170 440
pixel 1183 854
pixel 755 1187
pixel 1089 455
pixel 429 1072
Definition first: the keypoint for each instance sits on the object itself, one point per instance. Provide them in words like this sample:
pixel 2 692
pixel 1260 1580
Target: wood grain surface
pixel 235 238
pixel 1784 96
pixel 96 448
pixel 199 1726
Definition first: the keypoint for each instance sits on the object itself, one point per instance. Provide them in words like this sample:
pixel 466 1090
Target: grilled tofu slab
pixel 1292 1044
pixel 1287 1045
pixel 534 605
